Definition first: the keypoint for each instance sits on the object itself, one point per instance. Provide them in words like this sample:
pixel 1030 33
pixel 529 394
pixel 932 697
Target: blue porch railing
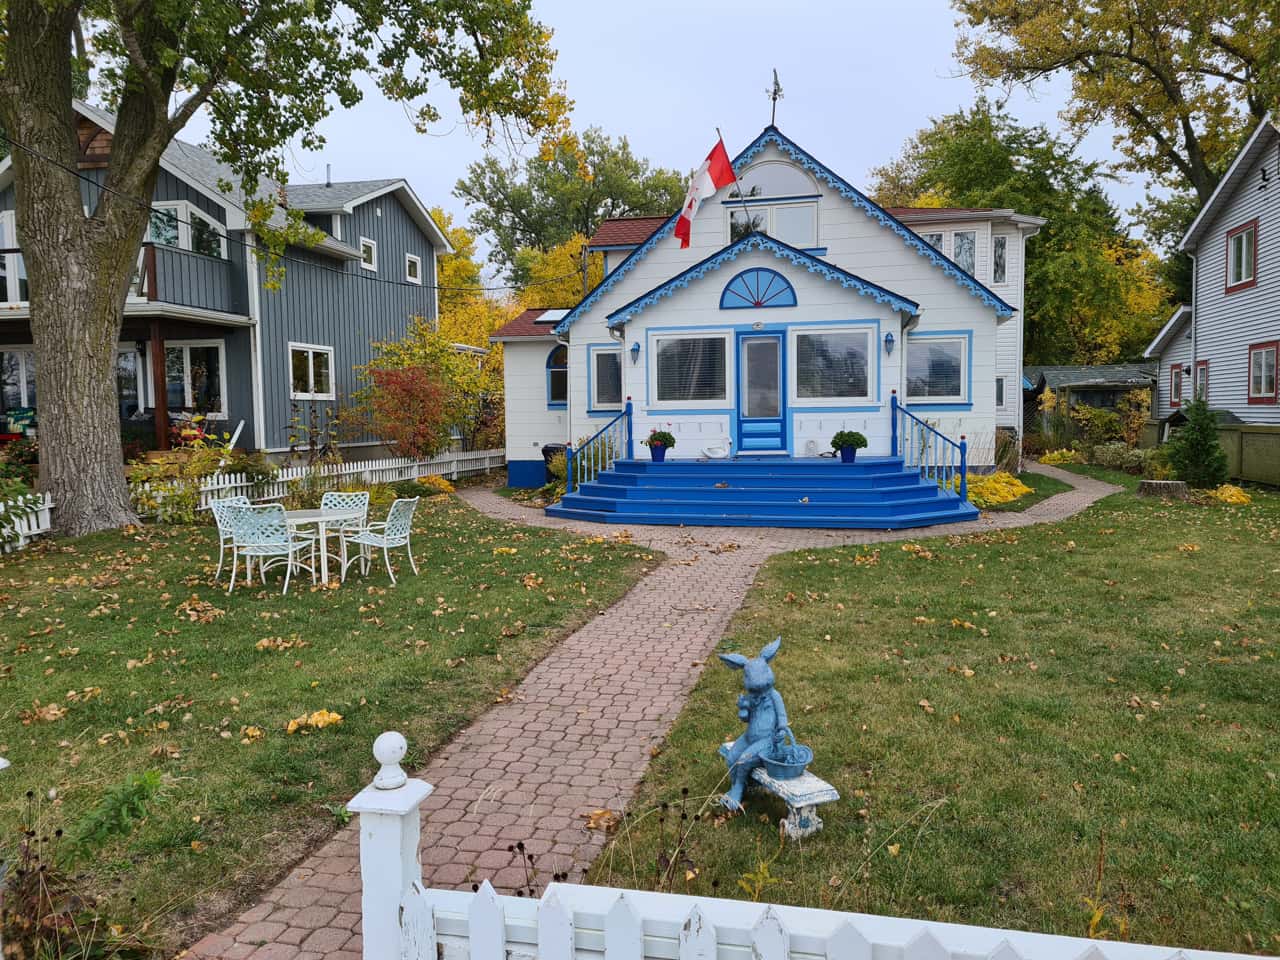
pixel 611 443
pixel 923 448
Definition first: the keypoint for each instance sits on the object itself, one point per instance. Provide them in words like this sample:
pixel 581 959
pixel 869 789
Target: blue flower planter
pixel 658 452
pixel 847 454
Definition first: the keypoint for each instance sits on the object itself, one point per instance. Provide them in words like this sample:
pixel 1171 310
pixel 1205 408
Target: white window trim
pixel 1002 387
pixel 730 371
pixel 996 238
pixel 1249 231
pixel 596 402
pixel 187 399
pixel 793 365
pixel 417 261
pixel 373 244
pixel 1175 385
pixel 767 207
pixel 311 348
pixel 186 211
pixel 973 272
pixel 23 348
pixel 1275 371
pixel 963 396
pixel 9 219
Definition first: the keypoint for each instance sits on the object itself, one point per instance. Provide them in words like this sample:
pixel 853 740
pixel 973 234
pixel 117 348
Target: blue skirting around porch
pixel 526 474
pixel 875 493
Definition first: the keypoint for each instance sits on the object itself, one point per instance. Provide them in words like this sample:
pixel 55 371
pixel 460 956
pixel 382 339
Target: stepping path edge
pixel 576 734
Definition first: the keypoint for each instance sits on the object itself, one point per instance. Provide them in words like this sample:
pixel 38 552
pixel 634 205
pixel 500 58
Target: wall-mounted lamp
pixel 635 352
pixel 888 342
pixel 1186 369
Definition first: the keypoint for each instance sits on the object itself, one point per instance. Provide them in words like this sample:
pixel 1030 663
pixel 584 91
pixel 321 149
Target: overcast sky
pixel 858 79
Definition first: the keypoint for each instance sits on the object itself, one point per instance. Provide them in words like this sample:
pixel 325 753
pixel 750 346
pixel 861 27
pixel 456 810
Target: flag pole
pixel 742 195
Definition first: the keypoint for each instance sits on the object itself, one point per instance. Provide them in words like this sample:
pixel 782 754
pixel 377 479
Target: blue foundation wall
pixel 526 474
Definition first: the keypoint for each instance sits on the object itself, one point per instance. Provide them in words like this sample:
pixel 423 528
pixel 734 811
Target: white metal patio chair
pixel 264 533
pixel 225 541
pixel 385 536
pixel 347 500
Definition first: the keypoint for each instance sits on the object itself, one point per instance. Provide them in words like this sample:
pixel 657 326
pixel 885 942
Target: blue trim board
pixel 592 350
pixel 765 244
pixel 772 134
pixel 967 403
pixel 526 474
pixel 765 434
pixel 558 404
pixel 757 287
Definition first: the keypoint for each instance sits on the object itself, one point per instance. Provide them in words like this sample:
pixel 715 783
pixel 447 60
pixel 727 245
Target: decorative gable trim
pixel 872 209
pixel 762 242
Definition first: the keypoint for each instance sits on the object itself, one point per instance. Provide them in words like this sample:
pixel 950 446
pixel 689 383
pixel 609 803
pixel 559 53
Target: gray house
pixel 1225 345
pixel 203 333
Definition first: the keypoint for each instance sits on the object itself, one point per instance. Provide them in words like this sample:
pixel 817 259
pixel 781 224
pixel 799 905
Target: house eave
pixel 1180 316
pixel 420 214
pixel 1226 186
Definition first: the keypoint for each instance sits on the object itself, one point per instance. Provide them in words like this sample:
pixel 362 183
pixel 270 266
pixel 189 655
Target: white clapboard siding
pixel 23 519
pixel 579 922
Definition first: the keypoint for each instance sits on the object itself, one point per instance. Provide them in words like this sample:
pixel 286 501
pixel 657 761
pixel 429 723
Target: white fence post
pixel 389 831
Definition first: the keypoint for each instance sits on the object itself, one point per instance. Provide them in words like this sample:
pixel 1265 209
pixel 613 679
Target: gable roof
pixel 941 214
pixel 772 134
pixel 760 241
pixel 534 323
pixel 1174 324
pixel 624 231
pixel 343 197
pixel 1098 375
pixel 1262 137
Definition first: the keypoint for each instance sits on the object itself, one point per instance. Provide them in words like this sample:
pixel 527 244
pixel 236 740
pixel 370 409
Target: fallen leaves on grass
pixel 317 720
pixel 604 819
pixel 280 643
pixel 42 713
pixel 198 611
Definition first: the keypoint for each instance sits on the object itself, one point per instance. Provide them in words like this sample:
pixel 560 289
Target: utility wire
pixel 361 275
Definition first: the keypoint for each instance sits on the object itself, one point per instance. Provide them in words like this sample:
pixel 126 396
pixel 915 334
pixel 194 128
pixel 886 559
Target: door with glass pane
pixel 761 398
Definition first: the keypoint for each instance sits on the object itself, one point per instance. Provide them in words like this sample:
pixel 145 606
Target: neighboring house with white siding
pixel 1225 345
pixel 794 313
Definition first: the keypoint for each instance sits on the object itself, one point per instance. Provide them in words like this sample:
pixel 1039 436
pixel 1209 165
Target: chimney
pixel 328 175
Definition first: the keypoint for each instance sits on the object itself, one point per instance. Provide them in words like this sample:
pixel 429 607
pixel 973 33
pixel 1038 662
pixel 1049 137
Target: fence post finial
pixel 390 828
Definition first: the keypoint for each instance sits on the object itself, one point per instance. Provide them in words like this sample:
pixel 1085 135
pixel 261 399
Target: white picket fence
pixel 23 519
pixel 404 920
pixel 451 466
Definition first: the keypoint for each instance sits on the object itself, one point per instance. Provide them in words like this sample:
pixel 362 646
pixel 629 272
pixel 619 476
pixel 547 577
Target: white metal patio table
pixel 325 522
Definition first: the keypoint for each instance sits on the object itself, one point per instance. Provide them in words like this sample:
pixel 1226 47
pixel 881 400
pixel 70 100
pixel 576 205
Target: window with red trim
pixel 1242 256
pixel 1175 385
pixel 1201 386
pixel 1264 359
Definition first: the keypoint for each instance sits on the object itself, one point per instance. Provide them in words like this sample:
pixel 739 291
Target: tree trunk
pixel 79 266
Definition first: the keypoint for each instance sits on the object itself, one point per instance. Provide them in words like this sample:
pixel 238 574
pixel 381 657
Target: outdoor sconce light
pixel 635 352
pixel 1186 369
pixel 888 342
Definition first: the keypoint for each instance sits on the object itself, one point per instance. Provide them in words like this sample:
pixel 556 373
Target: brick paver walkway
pixel 577 733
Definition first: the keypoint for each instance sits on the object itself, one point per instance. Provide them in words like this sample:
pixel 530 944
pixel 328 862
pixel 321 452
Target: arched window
pixel 757 287
pixel 558 377
pixel 774 178
pixel 780 200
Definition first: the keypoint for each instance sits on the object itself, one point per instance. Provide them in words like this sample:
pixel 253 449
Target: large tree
pixel 1181 81
pixel 267 71
pixel 1092 294
pixel 541 203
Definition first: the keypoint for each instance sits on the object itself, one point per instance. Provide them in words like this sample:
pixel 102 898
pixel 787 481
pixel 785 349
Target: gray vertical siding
pixel 1226 323
pixel 338 304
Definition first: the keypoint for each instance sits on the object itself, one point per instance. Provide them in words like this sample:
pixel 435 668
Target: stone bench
pixel 802 795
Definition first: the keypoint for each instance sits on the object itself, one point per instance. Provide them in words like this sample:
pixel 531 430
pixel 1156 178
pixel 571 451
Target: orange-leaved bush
pixel 409 409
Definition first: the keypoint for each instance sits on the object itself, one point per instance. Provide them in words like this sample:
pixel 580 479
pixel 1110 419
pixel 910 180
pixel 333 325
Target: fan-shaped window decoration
pixel 757 287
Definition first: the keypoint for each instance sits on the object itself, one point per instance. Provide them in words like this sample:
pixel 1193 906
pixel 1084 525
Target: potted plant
pixel 848 442
pixel 659 442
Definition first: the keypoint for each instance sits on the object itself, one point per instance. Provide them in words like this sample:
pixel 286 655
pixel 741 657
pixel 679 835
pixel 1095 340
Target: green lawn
pixel 1042 488
pixel 112 631
pixel 1003 714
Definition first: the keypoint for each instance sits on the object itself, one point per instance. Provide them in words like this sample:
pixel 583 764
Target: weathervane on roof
pixel 774 93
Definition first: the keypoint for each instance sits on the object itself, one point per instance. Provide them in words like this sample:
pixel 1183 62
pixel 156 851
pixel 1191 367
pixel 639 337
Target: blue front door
pixel 761 404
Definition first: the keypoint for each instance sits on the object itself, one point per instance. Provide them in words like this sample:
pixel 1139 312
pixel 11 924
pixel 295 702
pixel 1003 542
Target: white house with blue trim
pixel 800 308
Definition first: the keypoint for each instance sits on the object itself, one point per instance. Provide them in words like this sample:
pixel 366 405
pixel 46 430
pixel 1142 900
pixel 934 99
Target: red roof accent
pixel 526 325
pixel 625 231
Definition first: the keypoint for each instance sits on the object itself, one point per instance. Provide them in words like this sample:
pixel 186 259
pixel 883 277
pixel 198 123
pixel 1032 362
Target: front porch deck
pixel 875 493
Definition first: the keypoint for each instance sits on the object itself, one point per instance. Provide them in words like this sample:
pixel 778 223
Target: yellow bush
pixel 989 489
pixel 1062 456
pixel 1230 493
pixel 436 483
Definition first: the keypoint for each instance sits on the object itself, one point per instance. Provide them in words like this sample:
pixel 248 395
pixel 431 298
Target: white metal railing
pixel 451 466
pixel 24 518
pixel 405 920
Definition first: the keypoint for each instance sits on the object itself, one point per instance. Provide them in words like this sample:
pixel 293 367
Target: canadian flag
pixel 716 172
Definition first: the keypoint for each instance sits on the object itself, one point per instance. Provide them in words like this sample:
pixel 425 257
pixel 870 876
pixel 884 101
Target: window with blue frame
pixel 937 368
pixel 558 377
pixel 757 287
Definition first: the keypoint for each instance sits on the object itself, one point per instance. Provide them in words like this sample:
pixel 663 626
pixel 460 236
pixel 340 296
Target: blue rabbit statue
pixel 762 708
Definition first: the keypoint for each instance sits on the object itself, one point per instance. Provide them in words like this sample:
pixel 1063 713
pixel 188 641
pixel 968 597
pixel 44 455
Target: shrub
pixel 1007 450
pixel 1134 408
pixel 436 483
pixel 1194 451
pixel 1229 493
pixel 558 467
pixel 989 489
pixel 1033 445
pixel 1062 456
pixel 408 408
pixel 1096 425
pixel 1157 466
pixel 660 438
pixel 1117 455
pixel 848 438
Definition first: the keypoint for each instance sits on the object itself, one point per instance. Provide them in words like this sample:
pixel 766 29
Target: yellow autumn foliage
pixel 1230 493
pixel 317 720
pixel 436 483
pixel 989 489
pixel 1061 456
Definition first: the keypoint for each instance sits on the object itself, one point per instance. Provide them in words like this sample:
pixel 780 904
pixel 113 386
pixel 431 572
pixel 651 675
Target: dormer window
pixel 777 199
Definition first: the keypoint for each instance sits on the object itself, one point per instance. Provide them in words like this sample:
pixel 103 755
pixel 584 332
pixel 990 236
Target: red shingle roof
pixel 625 231
pixel 536 322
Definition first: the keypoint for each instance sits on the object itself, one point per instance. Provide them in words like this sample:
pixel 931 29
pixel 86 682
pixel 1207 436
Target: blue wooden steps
pixel 873 493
